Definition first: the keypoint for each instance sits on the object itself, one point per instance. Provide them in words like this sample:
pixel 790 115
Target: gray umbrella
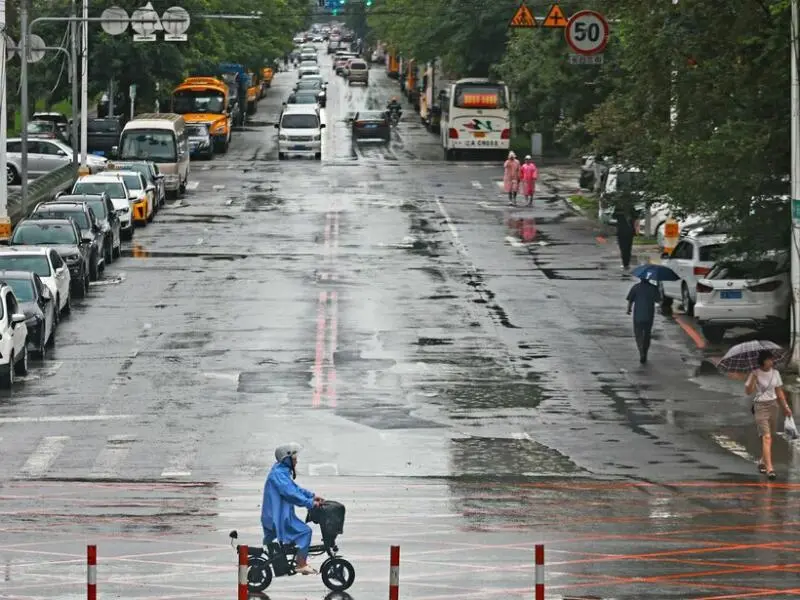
pixel 743 358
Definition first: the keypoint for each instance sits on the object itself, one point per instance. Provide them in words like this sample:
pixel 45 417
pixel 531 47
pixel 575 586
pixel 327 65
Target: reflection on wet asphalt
pixel 460 373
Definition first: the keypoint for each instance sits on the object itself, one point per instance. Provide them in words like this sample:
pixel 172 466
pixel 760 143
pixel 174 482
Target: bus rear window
pixel 480 96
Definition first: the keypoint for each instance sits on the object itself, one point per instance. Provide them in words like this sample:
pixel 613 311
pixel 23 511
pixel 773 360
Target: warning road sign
pixel 523 17
pixel 555 18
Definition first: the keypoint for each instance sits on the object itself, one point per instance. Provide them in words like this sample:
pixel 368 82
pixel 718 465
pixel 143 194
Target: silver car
pixel 357 71
pixel 44 155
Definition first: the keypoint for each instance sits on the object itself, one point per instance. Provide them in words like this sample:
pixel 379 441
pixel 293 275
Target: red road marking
pixel 319 357
pixel 690 330
pixel 332 341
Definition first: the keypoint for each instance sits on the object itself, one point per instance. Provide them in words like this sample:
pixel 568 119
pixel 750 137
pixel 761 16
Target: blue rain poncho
pixel 281 495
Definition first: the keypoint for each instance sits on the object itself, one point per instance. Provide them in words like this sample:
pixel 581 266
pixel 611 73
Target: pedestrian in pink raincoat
pixel 511 177
pixel 529 174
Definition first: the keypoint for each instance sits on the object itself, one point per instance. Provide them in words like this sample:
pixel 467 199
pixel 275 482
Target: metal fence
pixel 41 189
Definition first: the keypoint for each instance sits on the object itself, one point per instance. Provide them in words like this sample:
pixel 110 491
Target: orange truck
pixel 266 80
pixel 392 64
pixel 253 93
pixel 204 100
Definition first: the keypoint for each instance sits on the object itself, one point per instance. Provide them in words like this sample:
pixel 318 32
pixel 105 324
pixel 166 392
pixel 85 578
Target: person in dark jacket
pixel 626 231
pixel 642 298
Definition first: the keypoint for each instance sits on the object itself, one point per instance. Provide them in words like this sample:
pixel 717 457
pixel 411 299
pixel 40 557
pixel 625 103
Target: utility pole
pixel 73 28
pixel 23 52
pixel 84 169
pixel 795 174
pixel 5 221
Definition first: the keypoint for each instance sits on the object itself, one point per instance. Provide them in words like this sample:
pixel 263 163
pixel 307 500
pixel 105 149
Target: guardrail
pixel 40 190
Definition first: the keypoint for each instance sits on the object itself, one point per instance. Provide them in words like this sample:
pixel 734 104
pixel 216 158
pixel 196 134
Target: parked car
pixel 92 236
pixel 60 120
pixel 150 172
pixel 200 144
pixel 103 135
pixel 47 263
pixel 744 293
pixel 357 71
pixel 46 129
pixel 38 306
pixel 116 190
pixel 13 337
pixel 142 195
pixel 692 258
pixel 44 155
pixel 371 124
pixel 106 216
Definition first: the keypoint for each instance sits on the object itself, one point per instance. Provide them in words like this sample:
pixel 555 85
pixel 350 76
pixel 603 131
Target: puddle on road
pixel 508 457
pixel 196 218
pixel 261 202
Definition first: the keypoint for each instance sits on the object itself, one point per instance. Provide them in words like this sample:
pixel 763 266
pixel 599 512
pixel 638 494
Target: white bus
pixel 162 139
pixel 475 116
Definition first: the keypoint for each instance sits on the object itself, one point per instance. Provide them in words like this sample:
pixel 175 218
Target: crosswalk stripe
pixel 180 463
pixel 112 456
pixel 45 455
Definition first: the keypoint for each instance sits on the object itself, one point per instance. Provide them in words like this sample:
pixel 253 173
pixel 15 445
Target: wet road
pixel 461 375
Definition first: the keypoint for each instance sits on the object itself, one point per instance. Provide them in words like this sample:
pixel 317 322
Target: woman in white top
pixel 767 385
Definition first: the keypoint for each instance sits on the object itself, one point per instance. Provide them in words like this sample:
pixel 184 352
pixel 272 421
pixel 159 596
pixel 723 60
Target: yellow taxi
pixel 141 196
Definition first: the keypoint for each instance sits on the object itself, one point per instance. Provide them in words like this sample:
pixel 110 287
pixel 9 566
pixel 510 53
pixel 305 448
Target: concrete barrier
pixel 41 189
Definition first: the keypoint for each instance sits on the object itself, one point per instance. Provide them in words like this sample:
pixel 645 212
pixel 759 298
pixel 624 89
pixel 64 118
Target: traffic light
pixel 368 2
pixel 335 12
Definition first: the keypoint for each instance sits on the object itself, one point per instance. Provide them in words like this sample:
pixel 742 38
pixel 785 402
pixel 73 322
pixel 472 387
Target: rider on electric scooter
pixel 394 108
pixel 281 495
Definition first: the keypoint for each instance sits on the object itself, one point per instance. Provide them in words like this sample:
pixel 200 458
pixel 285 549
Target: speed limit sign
pixel 587 32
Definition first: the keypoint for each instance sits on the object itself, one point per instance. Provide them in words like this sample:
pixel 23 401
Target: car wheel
pixel 21 366
pixel 94 271
pixel 281 156
pixel 318 156
pixel 86 281
pixel 52 339
pixel 713 334
pixel 108 252
pixel 686 301
pixel 116 251
pixel 42 349
pixel 12 176
pixel 8 378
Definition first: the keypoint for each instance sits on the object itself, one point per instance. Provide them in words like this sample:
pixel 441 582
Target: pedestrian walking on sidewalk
pixel 626 230
pixel 511 177
pixel 642 298
pixel 529 174
pixel 767 386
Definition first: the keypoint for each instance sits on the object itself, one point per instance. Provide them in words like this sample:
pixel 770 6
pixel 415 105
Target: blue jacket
pixel 281 495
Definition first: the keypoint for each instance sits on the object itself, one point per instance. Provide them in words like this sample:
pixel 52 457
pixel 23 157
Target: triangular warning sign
pixel 523 18
pixel 555 17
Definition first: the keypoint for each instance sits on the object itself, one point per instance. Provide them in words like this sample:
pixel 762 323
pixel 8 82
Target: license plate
pixel 731 294
pixel 298 148
pixel 479 134
pixel 371 126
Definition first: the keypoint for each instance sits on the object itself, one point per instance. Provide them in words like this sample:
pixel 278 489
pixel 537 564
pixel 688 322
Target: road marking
pixel 227 376
pixel 180 463
pixel 333 332
pixel 192 185
pixel 218 187
pixel 45 454
pixel 319 347
pixel 514 242
pixel 728 444
pixel 64 419
pixel 477 185
pixel 317 469
pixel 690 330
pixel 112 456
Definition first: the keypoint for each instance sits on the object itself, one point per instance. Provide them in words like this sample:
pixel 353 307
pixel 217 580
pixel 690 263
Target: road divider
pixel 539 556
pixel 242 579
pixel 41 189
pixel 91 572
pixel 394 573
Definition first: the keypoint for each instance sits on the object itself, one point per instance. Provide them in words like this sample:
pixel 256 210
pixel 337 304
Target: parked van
pixel 300 131
pixel 160 138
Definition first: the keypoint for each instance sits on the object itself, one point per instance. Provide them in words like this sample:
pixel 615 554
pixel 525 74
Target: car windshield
pixel 34 263
pixel 40 127
pixel 370 115
pixel 76 214
pixel 300 122
pixel 132 182
pixel 203 101
pixel 750 269
pixel 43 234
pixel 113 188
pixel 357 66
pixel 710 253
pixel 102 126
pixel 196 131
pixel 305 98
pixel 22 288
pixel 98 205
pixel 155 145
pixel 138 167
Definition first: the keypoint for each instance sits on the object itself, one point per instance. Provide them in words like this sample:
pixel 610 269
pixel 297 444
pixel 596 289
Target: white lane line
pixel 218 187
pixel 45 455
pixel 736 448
pixel 180 463
pixel 112 456
pixel 322 469
pixel 477 185
pixel 192 185
pixel 514 242
pixel 226 376
pixel 64 419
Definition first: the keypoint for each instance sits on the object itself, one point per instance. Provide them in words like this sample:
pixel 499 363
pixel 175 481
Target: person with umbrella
pixel 643 298
pixel 764 383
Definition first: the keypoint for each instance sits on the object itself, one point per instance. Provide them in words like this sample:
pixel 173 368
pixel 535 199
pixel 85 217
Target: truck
pixel 205 100
pixel 433 90
pixel 238 75
pixel 266 80
pixel 392 64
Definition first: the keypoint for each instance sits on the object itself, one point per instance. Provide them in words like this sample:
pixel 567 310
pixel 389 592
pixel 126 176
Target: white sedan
pixel 744 294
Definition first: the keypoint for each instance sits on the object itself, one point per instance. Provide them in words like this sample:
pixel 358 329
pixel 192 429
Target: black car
pixel 46 129
pixel 63 236
pixel 91 234
pixel 36 302
pixel 106 216
pixel 372 124
pixel 304 97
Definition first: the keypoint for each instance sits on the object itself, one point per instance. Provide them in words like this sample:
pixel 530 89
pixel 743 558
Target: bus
pixel 475 117
pixel 160 138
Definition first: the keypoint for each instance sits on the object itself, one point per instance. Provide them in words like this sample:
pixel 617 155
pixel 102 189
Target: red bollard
pixel 539 571
pixel 243 573
pixel 91 572
pixel 394 573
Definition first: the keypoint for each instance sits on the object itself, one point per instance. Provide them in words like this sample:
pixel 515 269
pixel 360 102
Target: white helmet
pixel 285 450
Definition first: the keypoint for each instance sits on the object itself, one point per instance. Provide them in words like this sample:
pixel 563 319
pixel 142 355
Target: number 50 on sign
pixel 587 32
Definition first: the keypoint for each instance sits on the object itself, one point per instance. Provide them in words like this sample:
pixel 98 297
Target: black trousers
pixel 625 243
pixel 642 331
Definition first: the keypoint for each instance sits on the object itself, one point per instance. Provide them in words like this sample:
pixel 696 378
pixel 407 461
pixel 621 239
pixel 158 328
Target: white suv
pixel 13 337
pixel 300 132
pixel 691 260
pixel 115 187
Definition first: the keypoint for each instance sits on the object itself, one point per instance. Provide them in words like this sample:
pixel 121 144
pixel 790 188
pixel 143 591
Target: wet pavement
pixel 461 374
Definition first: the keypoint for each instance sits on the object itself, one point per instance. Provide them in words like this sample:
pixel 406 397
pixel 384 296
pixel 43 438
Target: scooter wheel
pixel 338 574
pixel 259 576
